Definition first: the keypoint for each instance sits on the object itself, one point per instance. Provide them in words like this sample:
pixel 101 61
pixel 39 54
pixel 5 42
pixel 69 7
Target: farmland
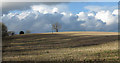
pixel 62 46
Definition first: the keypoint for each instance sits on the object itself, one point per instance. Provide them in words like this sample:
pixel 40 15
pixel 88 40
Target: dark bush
pixel 11 33
pixel 21 32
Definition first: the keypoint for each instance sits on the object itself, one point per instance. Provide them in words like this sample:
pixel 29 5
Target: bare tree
pixel 28 32
pixel 56 26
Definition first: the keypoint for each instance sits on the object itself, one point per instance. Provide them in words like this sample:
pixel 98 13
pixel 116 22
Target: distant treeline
pixel 4 30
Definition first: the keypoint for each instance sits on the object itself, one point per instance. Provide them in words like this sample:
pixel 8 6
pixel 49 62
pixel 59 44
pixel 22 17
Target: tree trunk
pixel 56 30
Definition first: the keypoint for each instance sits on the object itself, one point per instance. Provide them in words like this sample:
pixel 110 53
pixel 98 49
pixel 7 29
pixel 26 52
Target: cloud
pixel 91 14
pixel 107 17
pixel 10 6
pixel 61 1
pixel 41 17
pixel 116 12
pixel 94 8
pixel 49 9
pixel 82 16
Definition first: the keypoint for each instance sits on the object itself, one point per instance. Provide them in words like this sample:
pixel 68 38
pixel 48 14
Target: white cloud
pixel 10 15
pixel 10 6
pixel 91 14
pixel 106 16
pixel 82 16
pixel 116 12
pixel 49 9
pixel 23 15
pixel 41 8
pixel 55 10
pixel 40 18
pixel 63 13
pixel 94 8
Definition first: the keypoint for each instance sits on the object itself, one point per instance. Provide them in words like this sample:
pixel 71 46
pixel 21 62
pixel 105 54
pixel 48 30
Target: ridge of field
pixel 61 46
pixel 84 33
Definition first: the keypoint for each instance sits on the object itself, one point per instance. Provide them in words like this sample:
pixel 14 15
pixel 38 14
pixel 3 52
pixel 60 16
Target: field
pixel 62 46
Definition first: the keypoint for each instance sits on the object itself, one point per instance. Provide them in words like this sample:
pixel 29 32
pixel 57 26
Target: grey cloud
pixel 10 6
pixel 38 22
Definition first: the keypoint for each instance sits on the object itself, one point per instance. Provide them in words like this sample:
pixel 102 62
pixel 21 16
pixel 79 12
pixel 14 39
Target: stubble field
pixel 62 46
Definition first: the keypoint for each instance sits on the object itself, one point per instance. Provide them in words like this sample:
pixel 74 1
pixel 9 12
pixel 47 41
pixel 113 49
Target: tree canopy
pixel 3 29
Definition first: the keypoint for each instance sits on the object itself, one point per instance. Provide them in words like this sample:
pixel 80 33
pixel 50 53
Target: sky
pixel 73 16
